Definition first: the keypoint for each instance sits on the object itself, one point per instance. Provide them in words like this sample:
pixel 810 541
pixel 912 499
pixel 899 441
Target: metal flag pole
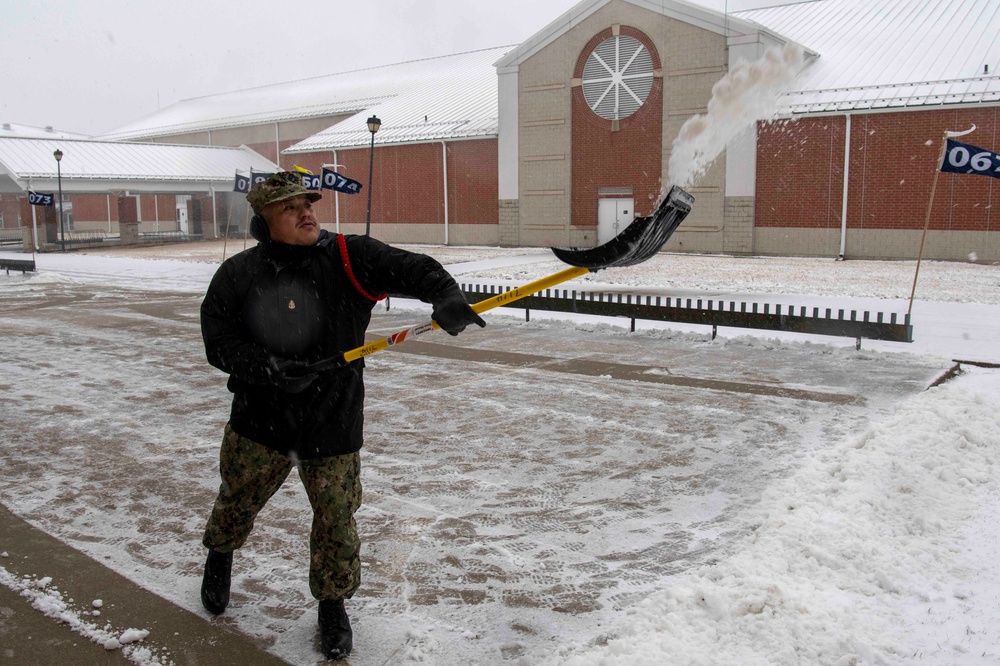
pixel 229 218
pixel 246 218
pixel 34 226
pixel 930 205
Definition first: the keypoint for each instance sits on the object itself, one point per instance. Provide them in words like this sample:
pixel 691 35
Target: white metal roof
pixel 30 132
pixel 100 165
pixel 457 91
pixel 888 54
pixel 458 101
pixel 873 54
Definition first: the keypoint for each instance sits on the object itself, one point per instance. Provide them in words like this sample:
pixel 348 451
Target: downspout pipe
pixel 843 208
pixel 215 218
pixel 444 161
pixel 277 146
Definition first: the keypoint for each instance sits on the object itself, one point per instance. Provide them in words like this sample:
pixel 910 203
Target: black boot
pixel 335 629
pixel 215 584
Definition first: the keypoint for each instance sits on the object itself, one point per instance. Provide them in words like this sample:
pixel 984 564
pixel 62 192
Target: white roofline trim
pixel 120 144
pixel 351 146
pixel 561 25
pixel 731 26
pixel 262 118
pixel 887 86
pixel 835 102
pixel 913 108
pixel 99 165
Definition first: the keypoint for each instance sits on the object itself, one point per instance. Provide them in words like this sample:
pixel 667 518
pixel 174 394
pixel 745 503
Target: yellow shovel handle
pixel 515 294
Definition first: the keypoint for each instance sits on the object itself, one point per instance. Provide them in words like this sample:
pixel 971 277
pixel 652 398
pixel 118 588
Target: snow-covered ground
pixel 754 499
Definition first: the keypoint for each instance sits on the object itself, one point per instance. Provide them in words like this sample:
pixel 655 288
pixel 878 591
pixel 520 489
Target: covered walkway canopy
pixel 136 168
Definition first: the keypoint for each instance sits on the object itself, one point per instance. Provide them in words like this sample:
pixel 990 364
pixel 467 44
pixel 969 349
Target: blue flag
pixel 963 158
pixel 310 181
pixel 334 181
pixel 40 199
pixel 257 178
pixel 242 184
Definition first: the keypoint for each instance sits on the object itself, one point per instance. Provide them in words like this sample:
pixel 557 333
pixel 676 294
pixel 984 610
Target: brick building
pixel 846 170
pixel 565 138
pixel 155 189
pixel 434 163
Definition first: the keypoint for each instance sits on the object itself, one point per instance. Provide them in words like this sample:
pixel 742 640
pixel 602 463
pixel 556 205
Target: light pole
pixel 373 124
pixel 62 220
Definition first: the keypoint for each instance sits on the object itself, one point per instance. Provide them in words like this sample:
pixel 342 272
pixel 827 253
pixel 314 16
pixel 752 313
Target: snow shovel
pixel 641 240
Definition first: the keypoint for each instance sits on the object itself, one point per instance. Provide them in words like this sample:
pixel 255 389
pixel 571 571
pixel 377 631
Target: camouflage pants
pixel 252 473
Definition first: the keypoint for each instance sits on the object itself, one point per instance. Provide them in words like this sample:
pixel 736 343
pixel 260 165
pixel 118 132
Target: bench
pixel 23 265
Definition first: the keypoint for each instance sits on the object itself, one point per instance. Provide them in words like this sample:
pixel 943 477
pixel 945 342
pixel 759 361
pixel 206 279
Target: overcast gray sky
pixel 93 66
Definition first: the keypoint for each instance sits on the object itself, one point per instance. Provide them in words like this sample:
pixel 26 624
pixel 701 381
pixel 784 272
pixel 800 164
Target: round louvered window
pixel 617 77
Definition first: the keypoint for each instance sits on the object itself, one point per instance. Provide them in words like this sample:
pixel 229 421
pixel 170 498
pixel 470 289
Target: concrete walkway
pixel 28 637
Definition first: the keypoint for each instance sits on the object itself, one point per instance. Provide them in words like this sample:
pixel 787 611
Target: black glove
pixel 453 314
pixel 290 376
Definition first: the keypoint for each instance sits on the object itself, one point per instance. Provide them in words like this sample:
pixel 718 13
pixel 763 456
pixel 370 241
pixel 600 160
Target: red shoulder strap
pixel 342 244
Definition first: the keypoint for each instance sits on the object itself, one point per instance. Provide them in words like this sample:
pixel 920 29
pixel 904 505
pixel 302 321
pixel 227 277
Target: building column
pixel 128 220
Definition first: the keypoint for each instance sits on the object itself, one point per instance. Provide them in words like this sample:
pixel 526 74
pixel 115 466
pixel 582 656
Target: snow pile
pixel 128 636
pixel 49 601
pixel 847 550
pixel 748 93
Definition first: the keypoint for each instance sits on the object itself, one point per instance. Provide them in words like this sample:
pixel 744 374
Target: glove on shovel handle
pixel 514 294
pixel 506 297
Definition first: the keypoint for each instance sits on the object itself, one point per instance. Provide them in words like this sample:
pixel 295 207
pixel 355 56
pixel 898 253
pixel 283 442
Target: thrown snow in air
pixel 748 93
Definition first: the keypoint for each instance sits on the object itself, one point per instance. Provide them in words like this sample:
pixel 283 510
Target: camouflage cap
pixel 282 185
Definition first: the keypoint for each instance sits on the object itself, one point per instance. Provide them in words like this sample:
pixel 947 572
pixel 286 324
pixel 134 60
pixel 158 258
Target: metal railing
pixel 168 235
pixel 714 313
pixel 84 236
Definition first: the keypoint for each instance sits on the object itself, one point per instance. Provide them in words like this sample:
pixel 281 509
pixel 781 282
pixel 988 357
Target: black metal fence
pixel 175 236
pixel 83 236
pixel 714 313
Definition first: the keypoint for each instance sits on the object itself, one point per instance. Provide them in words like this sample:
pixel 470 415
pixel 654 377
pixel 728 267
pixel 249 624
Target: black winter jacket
pixel 300 303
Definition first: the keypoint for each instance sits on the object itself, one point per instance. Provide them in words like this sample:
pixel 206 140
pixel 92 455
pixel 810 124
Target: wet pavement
pixel 524 485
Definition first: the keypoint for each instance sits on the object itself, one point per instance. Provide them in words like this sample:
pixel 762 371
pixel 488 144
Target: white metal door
pixel 182 214
pixel 613 215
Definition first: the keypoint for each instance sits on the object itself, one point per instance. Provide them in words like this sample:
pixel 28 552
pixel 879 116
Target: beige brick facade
pixel 879 244
pixel 509 223
pixel 737 237
pixel 693 59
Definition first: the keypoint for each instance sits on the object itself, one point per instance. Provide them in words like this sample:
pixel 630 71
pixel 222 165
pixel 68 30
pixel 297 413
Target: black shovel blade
pixel 640 240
